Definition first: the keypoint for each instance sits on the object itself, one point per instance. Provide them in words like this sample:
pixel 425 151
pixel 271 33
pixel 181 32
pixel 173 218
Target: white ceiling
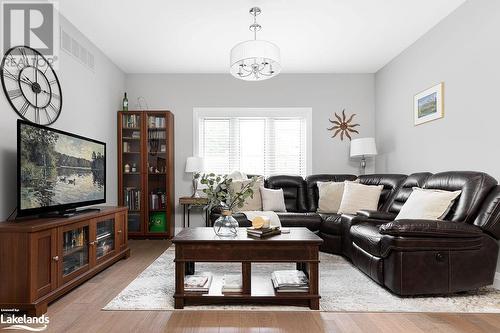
pixel 195 36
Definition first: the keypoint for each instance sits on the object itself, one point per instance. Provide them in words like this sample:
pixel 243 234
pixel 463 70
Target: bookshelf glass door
pixel 75 249
pixel 105 238
pixel 157 168
pixel 131 169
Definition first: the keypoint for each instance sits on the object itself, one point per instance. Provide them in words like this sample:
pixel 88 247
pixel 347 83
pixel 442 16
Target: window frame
pixel 283 112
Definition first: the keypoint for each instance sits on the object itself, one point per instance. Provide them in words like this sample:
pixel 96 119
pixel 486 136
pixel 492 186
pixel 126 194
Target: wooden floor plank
pixel 80 311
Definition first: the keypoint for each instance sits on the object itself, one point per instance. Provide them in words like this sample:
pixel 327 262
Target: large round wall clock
pixel 31 85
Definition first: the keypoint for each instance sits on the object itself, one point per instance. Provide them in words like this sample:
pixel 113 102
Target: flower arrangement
pixel 220 192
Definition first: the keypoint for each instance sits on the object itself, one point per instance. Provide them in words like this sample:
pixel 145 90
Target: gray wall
pixel 325 93
pixel 463 51
pixel 90 101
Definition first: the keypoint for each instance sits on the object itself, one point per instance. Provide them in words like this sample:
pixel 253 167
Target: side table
pixel 190 202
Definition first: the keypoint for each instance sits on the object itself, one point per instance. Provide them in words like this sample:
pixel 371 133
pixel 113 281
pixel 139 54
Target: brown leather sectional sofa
pixel 409 257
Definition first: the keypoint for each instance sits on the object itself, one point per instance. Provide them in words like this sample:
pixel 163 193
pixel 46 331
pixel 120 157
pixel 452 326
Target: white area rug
pixel 342 288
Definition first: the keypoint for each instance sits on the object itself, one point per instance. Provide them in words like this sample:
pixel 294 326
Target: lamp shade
pixel 260 53
pixel 194 164
pixel 363 147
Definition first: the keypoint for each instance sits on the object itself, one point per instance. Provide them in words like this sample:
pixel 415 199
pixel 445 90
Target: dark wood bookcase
pixel 146 172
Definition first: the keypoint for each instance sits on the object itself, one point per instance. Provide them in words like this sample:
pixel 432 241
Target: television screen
pixel 58 171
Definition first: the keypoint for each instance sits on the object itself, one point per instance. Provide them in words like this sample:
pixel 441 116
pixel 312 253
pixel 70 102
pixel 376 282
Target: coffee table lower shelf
pixel 259 289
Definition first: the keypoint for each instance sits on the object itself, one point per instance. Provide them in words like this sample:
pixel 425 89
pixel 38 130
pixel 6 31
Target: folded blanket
pixel 274 219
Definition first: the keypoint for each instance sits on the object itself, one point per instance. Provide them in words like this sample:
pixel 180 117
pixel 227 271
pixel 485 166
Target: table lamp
pixel 194 165
pixel 363 147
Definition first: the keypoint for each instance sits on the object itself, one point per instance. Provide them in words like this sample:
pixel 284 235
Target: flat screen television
pixel 58 171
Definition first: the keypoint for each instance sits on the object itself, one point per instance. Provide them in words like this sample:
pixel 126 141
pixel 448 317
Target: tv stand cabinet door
pixel 43 270
pixel 121 230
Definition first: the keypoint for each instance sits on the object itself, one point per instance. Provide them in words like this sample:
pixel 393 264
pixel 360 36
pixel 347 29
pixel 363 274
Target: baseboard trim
pixel 496 282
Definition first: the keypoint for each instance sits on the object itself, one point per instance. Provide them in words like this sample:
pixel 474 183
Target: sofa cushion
pixel 475 186
pixel 405 189
pixel 331 224
pixel 294 191
pixel 366 236
pixel 489 214
pixel 312 188
pixel 310 220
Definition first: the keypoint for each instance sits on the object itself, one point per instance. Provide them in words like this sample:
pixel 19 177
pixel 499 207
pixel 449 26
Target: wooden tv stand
pixel 42 259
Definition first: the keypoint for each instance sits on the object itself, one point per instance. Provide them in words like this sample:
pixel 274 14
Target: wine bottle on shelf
pixel 125 102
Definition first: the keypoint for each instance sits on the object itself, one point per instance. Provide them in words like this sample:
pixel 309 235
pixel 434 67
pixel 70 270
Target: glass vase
pixel 226 225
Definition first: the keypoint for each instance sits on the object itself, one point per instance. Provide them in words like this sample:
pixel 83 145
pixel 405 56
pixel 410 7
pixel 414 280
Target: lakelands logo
pixel 31 23
pixel 22 322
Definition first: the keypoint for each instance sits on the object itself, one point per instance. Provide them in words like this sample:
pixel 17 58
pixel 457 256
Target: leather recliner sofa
pixel 409 257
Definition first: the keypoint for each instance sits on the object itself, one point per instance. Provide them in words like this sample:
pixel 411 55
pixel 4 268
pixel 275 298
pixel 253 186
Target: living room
pixel 165 166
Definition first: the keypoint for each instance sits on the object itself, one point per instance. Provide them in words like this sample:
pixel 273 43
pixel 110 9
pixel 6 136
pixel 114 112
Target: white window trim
pixel 199 112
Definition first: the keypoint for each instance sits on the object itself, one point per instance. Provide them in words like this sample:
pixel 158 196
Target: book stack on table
pixel 232 283
pixel 263 232
pixel 198 283
pixel 290 281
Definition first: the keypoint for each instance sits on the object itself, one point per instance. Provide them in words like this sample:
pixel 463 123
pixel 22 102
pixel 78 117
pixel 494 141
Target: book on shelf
pixel 131 121
pixel 198 283
pixel 232 283
pixel 156 122
pixel 132 198
pixel 290 281
pixel 263 232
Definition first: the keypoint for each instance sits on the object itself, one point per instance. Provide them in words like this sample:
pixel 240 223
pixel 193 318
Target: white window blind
pixel 255 145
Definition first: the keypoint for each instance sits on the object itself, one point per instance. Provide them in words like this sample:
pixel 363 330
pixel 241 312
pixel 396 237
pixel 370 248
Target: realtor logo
pixel 31 23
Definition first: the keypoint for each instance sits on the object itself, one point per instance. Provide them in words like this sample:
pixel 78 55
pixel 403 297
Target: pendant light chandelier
pixel 255 60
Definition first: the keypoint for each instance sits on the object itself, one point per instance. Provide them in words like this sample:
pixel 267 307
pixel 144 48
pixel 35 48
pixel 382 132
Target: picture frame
pixel 428 105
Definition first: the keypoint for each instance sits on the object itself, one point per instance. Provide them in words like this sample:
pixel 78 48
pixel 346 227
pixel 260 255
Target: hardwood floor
pixel 80 311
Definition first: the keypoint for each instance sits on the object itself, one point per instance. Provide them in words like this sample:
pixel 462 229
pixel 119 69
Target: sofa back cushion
pixel 488 218
pixel 391 183
pixel 312 187
pixel 475 186
pixel 294 191
pixel 394 204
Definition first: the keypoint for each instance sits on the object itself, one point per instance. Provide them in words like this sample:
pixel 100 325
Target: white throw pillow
pixel 330 196
pixel 254 203
pixel 273 200
pixel 427 204
pixel 359 196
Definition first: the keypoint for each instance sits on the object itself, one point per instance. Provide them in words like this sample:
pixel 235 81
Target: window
pixel 255 141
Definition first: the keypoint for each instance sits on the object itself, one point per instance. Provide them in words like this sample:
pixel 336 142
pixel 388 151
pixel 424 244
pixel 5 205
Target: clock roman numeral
pixel 56 96
pixel 24 108
pixel 22 51
pixel 47 115
pixel 9 75
pixel 15 93
pixel 37 116
pixel 52 82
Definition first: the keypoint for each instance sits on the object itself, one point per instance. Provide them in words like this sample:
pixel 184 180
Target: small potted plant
pixel 221 194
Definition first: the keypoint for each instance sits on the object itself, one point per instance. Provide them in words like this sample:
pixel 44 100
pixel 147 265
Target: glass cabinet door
pixel 157 172
pixel 131 169
pixel 75 249
pixel 105 238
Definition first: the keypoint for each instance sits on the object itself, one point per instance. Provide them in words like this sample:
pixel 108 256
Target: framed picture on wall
pixel 428 105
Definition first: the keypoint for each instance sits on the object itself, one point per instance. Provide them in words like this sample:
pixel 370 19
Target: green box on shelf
pixel 157 222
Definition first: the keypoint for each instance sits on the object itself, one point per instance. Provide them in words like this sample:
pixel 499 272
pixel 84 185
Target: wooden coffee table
pixel 300 246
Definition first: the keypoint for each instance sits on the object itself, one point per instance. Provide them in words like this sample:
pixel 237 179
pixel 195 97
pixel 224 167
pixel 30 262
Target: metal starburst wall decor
pixel 343 126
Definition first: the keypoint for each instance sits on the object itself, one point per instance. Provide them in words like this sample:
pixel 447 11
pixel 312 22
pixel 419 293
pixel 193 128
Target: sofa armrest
pixel 429 228
pixel 377 215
